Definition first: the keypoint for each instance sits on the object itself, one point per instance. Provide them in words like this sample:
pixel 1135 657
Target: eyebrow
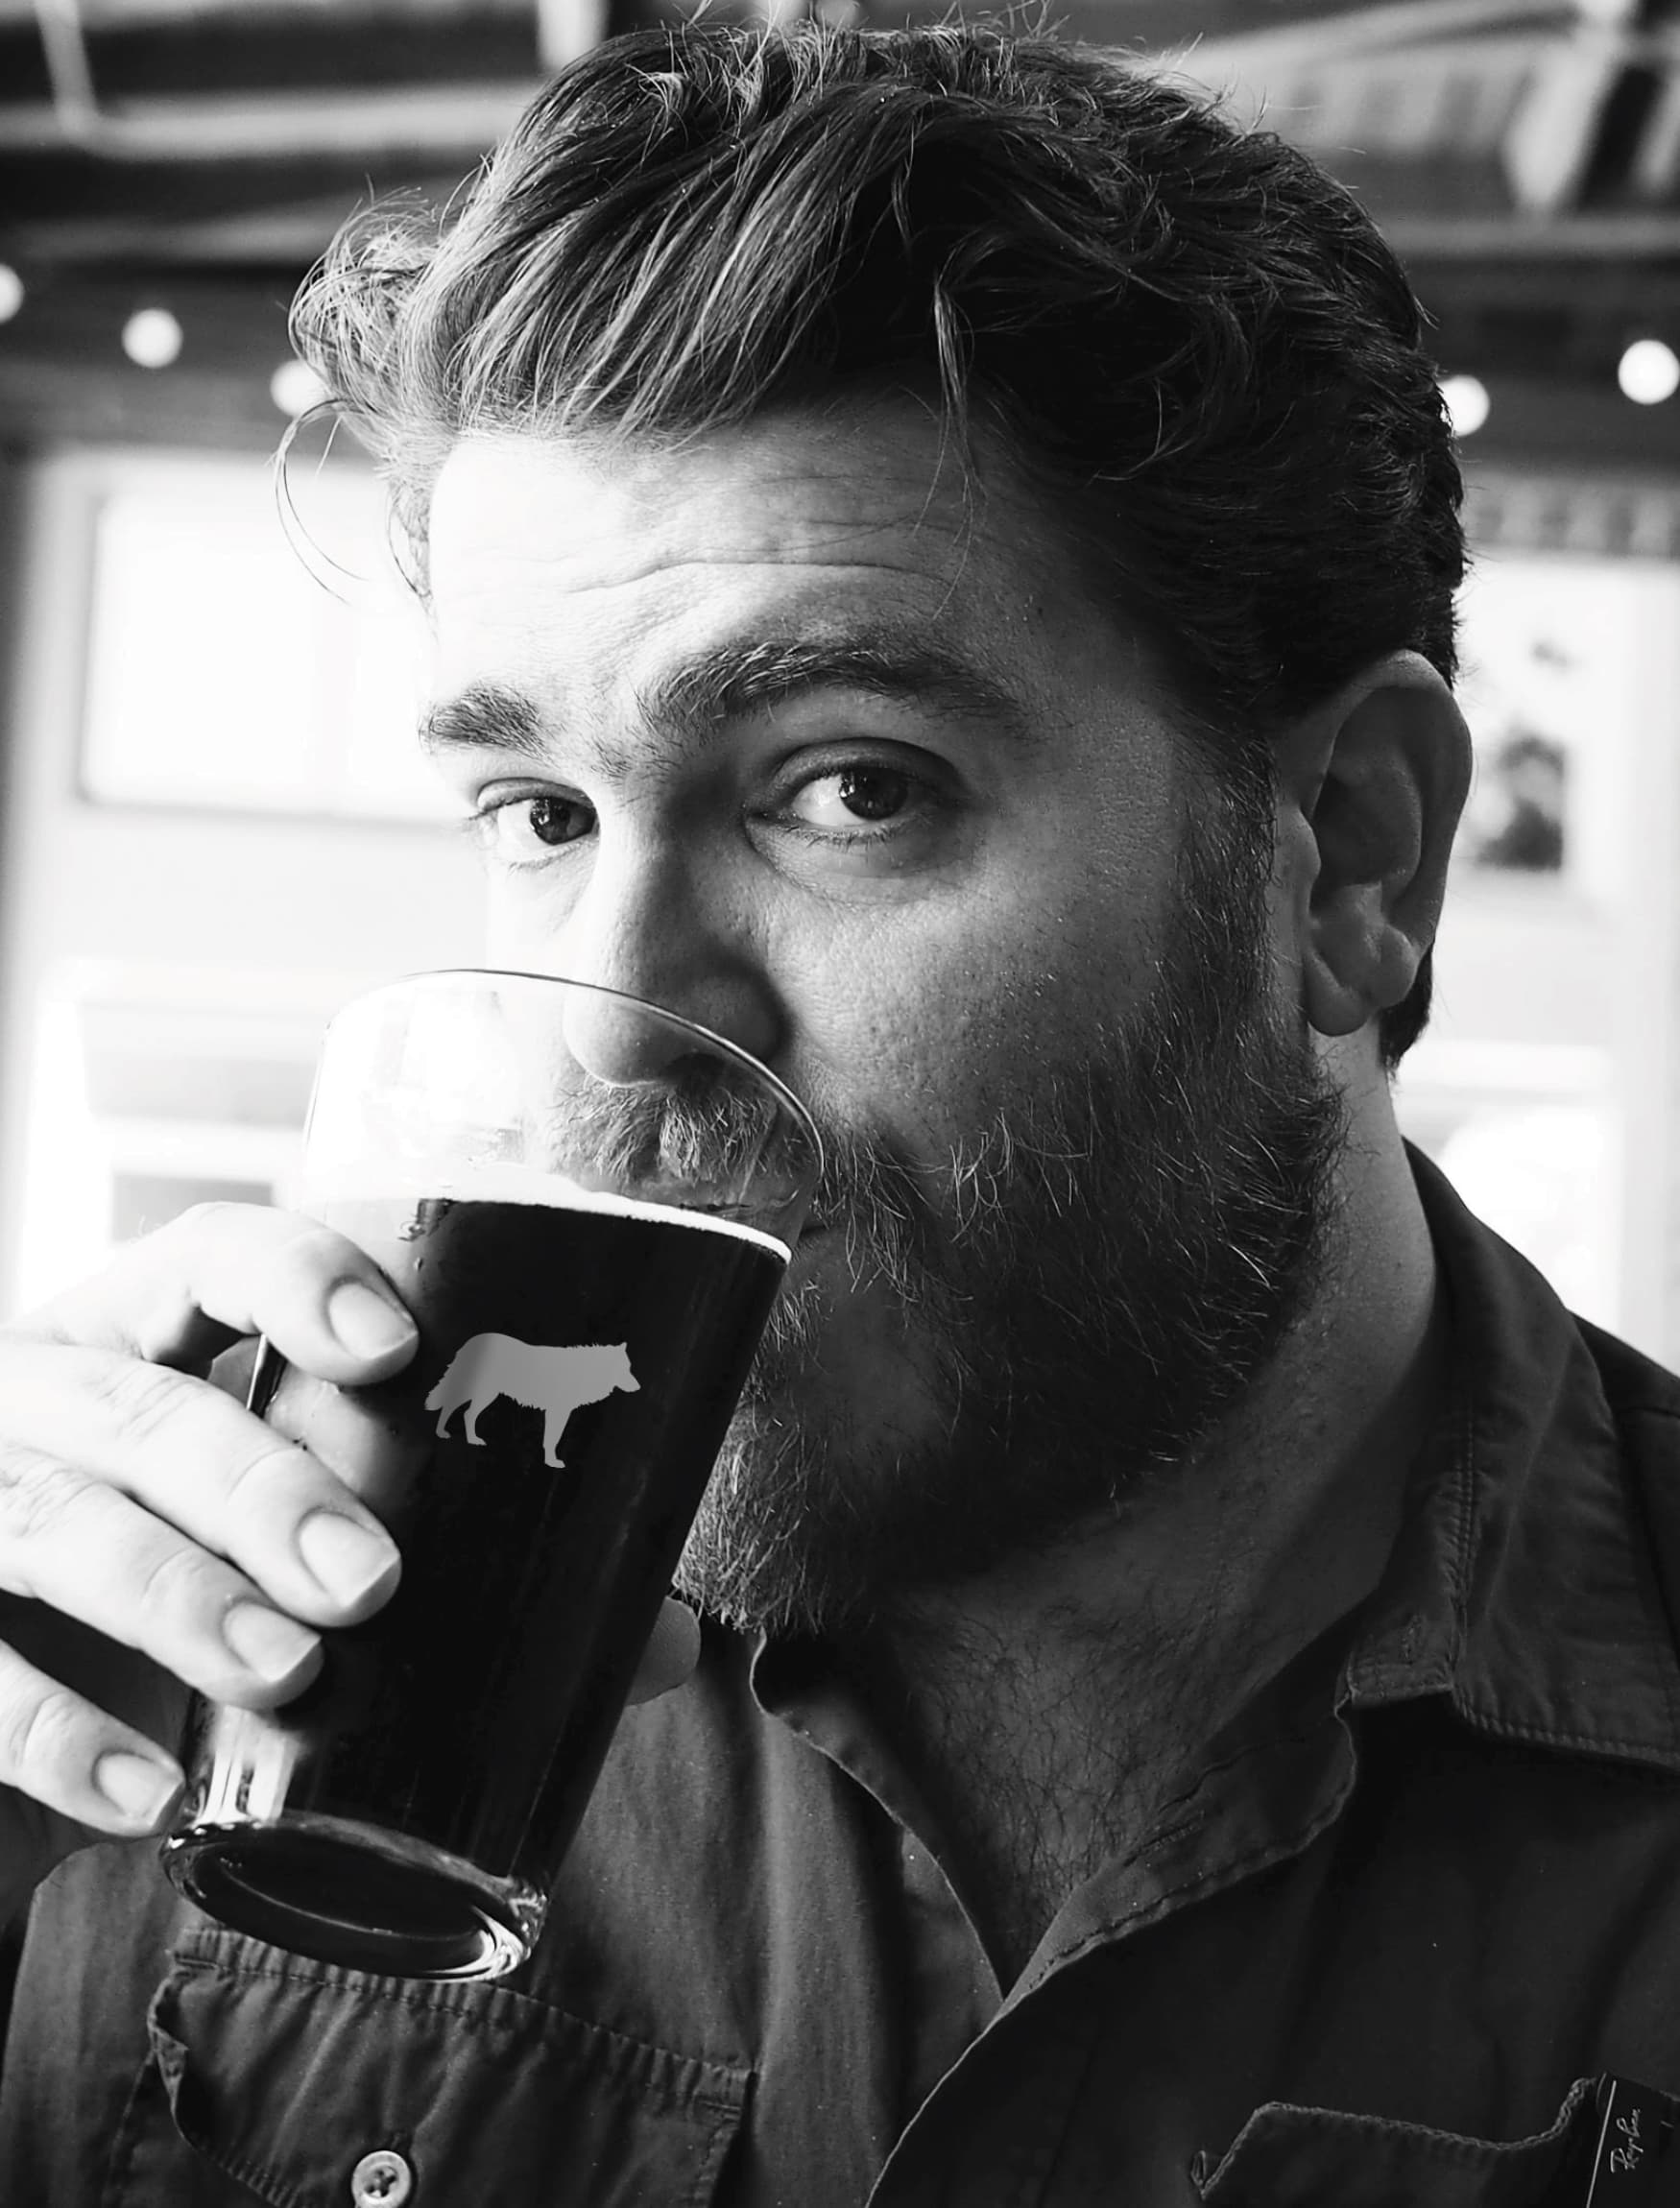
pixel 490 717
pixel 740 681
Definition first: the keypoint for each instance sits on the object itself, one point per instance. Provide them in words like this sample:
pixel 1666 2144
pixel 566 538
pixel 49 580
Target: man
pixel 942 556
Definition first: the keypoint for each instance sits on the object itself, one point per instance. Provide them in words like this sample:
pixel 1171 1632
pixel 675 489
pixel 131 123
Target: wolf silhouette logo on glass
pixel 556 1382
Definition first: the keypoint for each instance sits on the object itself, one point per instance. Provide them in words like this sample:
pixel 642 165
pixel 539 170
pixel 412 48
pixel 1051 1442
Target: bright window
pixel 223 673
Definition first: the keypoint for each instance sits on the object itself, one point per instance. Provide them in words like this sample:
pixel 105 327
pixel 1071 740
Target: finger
pixel 96 1556
pixel 373 1450
pixel 69 1756
pixel 376 1453
pixel 221 1271
pixel 672 1652
pixel 194 1459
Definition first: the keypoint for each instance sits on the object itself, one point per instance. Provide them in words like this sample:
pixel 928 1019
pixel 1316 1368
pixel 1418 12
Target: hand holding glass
pixel 587 1205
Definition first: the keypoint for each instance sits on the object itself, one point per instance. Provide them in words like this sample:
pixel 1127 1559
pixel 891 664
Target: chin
pixel 838 1352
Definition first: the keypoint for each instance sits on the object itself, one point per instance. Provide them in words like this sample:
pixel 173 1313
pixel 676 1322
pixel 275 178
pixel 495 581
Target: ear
pixel 1370 787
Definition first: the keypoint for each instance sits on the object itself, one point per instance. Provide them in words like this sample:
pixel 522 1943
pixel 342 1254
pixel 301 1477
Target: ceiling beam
pixel 421 119
pixel 1622 235
pixel 1368 30
pixel 256 49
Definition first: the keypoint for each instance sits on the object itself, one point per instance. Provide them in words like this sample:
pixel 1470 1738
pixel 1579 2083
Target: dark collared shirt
pixel 1429 1883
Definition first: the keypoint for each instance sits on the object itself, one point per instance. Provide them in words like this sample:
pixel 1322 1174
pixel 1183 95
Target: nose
pixel 651 925
pixel 621 1042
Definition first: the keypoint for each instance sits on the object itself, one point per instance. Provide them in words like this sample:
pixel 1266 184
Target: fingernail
pixel 348 1559
pixel 272 1646
pixel 135 1788
pixel 365 1323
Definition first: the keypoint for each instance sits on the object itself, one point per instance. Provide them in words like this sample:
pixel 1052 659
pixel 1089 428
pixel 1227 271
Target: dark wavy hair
pixel 1192 342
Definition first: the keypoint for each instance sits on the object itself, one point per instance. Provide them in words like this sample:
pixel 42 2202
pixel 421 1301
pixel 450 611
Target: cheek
pixel 506 944
pixel 1035 983
pixel 524 926
pixel 932 1049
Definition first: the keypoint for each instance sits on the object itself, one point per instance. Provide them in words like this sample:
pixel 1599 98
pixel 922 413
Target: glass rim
pixel 721 1043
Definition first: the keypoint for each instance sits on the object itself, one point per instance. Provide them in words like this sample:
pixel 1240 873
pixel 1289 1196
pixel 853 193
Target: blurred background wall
pixel 212 827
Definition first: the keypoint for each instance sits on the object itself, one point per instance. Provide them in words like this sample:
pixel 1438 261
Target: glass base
pixel 346 1894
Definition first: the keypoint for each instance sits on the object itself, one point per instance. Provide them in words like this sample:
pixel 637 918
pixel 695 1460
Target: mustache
pixel 708 1137
pixel 711 1128
pixel 929 1232
pixel 703 1130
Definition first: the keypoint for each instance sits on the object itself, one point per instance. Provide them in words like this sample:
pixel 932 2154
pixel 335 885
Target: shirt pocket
pixel 1289 2157
pixel 276 2079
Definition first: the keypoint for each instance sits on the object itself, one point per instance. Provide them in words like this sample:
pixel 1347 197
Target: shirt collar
pixel 1521 1585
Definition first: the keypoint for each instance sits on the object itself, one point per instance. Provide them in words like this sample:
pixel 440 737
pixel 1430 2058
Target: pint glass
pixel 587 1205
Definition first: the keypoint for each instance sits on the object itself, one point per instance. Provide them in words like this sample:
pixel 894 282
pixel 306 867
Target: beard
pixel 1086 1289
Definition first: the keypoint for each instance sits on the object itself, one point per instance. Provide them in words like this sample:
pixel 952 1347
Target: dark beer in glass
pixel 589 1289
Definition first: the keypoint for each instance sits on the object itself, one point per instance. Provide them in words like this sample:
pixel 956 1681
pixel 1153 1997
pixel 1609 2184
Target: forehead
pixel 592 557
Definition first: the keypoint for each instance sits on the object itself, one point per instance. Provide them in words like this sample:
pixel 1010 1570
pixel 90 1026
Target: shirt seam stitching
pixel 1227 1873
pixel 1456 2146
pixel 466 2019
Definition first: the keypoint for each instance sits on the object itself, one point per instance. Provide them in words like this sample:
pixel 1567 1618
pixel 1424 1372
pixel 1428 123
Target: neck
pixel 1051 1707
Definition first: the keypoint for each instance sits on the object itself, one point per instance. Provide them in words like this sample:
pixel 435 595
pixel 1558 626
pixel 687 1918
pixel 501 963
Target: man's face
pixel 789 731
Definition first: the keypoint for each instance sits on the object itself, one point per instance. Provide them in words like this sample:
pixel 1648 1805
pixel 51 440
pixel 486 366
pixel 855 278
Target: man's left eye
pixel 852 797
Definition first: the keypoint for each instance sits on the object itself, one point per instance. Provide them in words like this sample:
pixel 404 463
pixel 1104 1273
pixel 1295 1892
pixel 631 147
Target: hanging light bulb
pixel 152 338
pixel 1467 403
pixel 1649 372
pixel 11 291
pixel 294 388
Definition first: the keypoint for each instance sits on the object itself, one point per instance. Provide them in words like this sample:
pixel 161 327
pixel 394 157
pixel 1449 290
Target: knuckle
pixel 201 1221
pixel 275 1460
pixel 29 1331
pixel 212 1238
pixel 36 1493
pixel 179 1582
pixel 141 1400
pixel 40 1738
pixel 313 1257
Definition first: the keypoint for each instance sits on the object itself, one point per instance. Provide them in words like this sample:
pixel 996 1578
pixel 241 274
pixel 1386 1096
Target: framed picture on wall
pixel 1547 1083
pixel 1555 622
pixel 1545 649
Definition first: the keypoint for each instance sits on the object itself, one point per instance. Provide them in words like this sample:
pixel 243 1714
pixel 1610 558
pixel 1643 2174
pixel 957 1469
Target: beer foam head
pixel 511 1185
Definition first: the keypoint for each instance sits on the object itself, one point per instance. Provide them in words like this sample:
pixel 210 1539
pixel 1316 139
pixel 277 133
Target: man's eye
pixel 555 820
pixel 852 797
pixel 520 829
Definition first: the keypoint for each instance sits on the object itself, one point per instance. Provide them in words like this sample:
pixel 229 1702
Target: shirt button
pixel 381 2179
